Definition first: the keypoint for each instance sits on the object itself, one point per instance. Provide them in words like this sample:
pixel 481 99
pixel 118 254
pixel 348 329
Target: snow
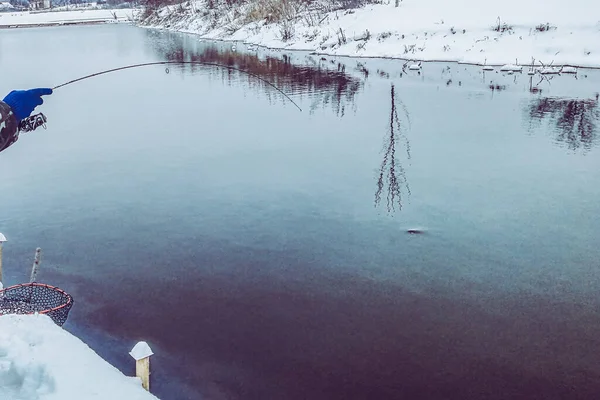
pixel 568 70
pixel 140 350
pixel 549 70
pixel 511 68
pixel 5 5
pixel 41 361
pixel 553 32
pixel 24 18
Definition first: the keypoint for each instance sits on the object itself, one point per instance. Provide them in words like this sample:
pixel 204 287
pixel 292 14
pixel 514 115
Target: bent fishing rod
pixel 35 121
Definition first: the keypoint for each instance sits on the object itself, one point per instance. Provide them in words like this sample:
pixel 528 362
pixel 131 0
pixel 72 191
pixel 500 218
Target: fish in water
pixel 415 231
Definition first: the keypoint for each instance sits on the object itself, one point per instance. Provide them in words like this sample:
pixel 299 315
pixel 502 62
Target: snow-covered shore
pixel 41 361
pixel 472 31
pixel 25 18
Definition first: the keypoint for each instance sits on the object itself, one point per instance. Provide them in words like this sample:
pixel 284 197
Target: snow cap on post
pixel 141 351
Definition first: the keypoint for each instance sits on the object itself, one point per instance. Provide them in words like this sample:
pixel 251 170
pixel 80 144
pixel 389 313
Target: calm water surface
pixel 265 253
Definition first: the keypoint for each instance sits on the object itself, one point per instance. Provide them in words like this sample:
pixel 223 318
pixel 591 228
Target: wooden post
pixel 142 371
pixel 0 262
pixel 36 264
pixel 141 352
pixel 2 240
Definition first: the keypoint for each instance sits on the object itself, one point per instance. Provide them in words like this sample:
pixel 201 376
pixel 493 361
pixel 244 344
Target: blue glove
pixel 23 102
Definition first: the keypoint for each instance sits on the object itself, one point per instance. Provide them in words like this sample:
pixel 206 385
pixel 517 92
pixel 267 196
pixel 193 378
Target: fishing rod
pixel 35 121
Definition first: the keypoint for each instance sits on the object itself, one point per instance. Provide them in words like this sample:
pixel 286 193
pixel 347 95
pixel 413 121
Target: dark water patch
pixel 349 338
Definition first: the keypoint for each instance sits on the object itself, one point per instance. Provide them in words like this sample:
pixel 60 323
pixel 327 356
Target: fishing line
pixel 167 70
pixel 35 121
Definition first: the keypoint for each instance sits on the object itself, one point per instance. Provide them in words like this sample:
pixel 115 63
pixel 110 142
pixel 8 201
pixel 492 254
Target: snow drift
pixel 41 361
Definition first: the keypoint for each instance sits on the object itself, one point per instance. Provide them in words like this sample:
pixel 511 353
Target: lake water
pixel 407 235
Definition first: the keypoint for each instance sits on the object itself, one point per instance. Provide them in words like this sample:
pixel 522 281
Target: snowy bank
pixel 22 19
pixel 471 31
pixel 41 361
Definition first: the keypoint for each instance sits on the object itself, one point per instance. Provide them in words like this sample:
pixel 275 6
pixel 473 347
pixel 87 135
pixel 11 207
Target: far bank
pixel 510 32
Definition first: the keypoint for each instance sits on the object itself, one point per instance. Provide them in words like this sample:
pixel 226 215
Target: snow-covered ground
pixel 41 361
pixel 473 31
pixel 78 6
pixel 57 17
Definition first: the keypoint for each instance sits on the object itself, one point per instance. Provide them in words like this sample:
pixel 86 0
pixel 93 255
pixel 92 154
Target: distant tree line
pixel 274 5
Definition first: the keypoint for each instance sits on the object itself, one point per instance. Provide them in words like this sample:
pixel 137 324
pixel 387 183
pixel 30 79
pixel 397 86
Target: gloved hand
pixel 23 102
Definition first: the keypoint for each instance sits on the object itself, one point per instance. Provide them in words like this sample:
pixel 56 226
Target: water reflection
pixel 392 175
pixel 575 119
pixel 325 83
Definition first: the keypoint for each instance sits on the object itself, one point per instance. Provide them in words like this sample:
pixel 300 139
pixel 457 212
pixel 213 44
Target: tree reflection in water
pixel 392 175
pixel 575 120
pixel 325 84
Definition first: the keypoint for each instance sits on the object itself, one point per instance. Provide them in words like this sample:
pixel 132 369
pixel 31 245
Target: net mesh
pixel 29 298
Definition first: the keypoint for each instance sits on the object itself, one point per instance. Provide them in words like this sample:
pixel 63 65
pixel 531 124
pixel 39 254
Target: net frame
pixel 40 298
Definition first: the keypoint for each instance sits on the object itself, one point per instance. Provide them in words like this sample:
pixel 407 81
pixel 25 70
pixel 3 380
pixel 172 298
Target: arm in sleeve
pixel 9 126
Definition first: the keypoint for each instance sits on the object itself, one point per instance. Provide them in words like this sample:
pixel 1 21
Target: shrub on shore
pixel 236 13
